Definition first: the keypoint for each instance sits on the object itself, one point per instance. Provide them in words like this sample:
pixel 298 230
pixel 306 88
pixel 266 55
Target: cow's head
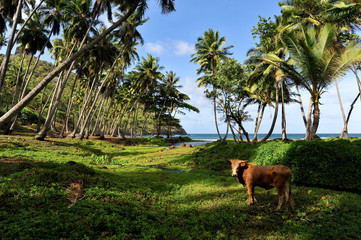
pixel 236 164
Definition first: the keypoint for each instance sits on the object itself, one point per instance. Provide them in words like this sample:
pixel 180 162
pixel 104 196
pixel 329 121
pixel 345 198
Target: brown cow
pixel 267 177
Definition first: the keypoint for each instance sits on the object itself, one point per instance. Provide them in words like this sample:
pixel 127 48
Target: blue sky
pixel 172 37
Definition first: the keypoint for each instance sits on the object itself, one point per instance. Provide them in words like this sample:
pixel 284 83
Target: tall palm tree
pixel 343 14
pixel 316 64
pixel 209 53
pixel 128 7
pixel 32 39
pixel 170 93
pixel 106 55
pixel 10 10
pixel 148 72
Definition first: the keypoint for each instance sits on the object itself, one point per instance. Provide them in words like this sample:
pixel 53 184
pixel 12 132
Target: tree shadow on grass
pixel 151 203
pixel 91 149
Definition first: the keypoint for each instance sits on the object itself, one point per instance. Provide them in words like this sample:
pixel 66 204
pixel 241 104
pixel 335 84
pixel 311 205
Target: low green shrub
pixel 215 155
pixel 28 116
pixel 333 163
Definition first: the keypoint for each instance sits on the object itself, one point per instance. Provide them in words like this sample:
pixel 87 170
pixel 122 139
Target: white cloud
pixel 183 48
pixel 195 93
pixel 157 48
pixel 176 47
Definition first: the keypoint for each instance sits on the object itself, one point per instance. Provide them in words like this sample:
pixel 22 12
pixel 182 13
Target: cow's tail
pixel 289 194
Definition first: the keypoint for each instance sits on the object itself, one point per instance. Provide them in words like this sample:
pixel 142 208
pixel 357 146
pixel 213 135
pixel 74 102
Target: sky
pixel 172 37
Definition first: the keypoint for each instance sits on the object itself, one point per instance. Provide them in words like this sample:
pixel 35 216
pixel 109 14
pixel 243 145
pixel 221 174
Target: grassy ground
pixel 91 189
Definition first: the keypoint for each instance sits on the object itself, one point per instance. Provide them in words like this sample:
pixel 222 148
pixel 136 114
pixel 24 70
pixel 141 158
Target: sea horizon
pixel 214 136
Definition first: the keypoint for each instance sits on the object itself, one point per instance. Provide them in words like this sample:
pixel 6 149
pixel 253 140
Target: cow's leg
pixel 281 196
pixel 250 194
pixel 287 197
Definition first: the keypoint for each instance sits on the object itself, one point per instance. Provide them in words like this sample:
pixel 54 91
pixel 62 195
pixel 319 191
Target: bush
pixel 215 155
pixel 28 116
pixel 333 163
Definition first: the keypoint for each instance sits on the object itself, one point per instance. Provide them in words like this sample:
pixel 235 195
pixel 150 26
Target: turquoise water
pixel 214 137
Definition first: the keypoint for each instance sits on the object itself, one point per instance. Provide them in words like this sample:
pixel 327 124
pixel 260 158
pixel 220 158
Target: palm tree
pixel 170 93
pixel 148 74
pixel 343 14
pixel 316 64
pixel 209 53
pixel 10 10
pixel 106 55
pixel 32 39
pixel 128 7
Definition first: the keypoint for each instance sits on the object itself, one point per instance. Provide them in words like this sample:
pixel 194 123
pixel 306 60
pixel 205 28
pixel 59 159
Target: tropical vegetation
pixel 309 47
pixel 91 89
pixel 90 189
pixel 120 184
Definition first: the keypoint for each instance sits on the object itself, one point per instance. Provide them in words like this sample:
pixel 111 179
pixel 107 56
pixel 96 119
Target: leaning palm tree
pixel 32 39
pixel 127 7
pixel 316 64
pixel 148 74
pixel 209 53
pixel 11 10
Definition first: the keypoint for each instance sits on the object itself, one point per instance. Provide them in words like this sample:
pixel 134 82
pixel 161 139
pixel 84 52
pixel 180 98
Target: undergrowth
pixel 92 189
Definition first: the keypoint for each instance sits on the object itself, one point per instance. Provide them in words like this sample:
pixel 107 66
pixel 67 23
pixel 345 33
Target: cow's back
pixel 266 176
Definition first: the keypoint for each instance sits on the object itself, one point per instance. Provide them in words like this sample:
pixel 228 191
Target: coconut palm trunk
pixel 308 136
pixel 18 82
pixel 316 118
pixel 25 84
pixel 42 107
pixel 101 111
pixel 144 123
pixel 18 85
pixel 81 134
pixel 342 111
pixel 5 62
pixel 68 109
pixel 215 118
pixel 233 134
pixel 36 63
pixel 10 127
pixel 349 114
pixel 274 117
pixel 258 123
pixel 25 22
pixel 116 123
pixel 284 134
pixel 100 116
pixel 86 100
pixel 301 105
pixel 127 121
pixel 241 128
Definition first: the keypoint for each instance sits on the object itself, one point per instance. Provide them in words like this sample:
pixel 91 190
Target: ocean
pixel 205 138
pixel 214 137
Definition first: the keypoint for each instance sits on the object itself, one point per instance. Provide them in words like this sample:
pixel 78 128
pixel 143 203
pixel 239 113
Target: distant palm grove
pixel 91 90
pixel 100 86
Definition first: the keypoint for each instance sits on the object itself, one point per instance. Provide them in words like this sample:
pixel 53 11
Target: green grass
pixel 124 197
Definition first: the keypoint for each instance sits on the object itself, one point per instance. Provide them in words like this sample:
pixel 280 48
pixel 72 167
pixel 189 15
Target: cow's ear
pixel 229 162
pixel 243 164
